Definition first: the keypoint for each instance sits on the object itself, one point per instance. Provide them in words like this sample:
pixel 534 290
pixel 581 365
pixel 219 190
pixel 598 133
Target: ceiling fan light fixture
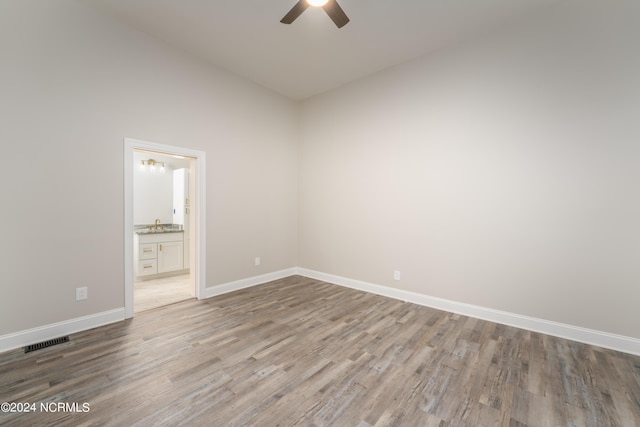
pixel 331 7
pixel 317 3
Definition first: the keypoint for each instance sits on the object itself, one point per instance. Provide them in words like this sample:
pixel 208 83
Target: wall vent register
pixel 45 344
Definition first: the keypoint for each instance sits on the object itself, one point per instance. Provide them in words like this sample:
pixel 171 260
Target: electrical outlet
pixel 257 260
pixel 396 275
pixel 82 294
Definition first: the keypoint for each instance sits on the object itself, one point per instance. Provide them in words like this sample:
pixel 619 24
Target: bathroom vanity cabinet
pixel 159 253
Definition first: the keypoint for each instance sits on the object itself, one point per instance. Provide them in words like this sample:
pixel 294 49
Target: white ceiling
pixel 311 55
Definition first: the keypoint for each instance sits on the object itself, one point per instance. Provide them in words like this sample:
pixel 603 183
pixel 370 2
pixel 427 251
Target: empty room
pixel 320 213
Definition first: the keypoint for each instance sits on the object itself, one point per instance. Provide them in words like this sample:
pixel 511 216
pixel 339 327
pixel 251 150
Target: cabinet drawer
pixel 149 266
pixel 148 251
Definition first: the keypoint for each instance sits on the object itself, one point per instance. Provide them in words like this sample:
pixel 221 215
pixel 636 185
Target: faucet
pixel 157 224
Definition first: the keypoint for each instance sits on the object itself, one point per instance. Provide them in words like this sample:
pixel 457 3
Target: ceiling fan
pixel 332 8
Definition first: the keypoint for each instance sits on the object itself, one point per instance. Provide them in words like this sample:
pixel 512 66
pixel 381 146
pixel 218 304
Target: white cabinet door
pixel 170 256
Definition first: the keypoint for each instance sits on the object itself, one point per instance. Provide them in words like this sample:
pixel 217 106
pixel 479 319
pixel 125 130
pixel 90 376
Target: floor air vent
pixel 44 344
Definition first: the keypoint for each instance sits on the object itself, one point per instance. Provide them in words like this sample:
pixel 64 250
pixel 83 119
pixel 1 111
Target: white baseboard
pixel 588 336
pixel 574 333
pixel 56 330
pixel 247 283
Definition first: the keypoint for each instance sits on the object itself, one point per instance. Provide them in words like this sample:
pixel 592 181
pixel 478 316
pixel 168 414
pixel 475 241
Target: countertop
pixel 162 228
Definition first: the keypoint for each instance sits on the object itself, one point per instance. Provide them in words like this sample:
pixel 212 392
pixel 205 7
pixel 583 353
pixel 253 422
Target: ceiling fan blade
pixel 336 13
pixel 295 11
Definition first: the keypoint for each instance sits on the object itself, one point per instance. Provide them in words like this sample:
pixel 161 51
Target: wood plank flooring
pixel 302 352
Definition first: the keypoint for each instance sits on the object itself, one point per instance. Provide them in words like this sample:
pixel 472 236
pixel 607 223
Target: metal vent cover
pixel 44 344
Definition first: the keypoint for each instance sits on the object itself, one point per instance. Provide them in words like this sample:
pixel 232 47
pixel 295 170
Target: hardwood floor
pixel 302 352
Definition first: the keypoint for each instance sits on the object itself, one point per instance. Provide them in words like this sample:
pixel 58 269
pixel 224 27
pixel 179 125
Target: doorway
pixel 161 226
pixel 164 230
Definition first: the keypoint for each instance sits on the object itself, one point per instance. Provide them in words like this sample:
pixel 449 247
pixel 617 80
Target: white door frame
pixel 198 261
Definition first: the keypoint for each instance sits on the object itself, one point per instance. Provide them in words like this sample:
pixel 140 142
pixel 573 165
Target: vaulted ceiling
pixel 311 55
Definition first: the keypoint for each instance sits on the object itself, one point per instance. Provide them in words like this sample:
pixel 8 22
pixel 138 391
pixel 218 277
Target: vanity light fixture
pixel 151 165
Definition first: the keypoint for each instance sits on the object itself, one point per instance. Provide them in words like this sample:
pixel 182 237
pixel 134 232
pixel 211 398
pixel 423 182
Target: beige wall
pixel 73 85
pixel 503 173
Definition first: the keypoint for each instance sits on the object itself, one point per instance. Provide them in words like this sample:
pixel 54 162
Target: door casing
pixel 198 215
